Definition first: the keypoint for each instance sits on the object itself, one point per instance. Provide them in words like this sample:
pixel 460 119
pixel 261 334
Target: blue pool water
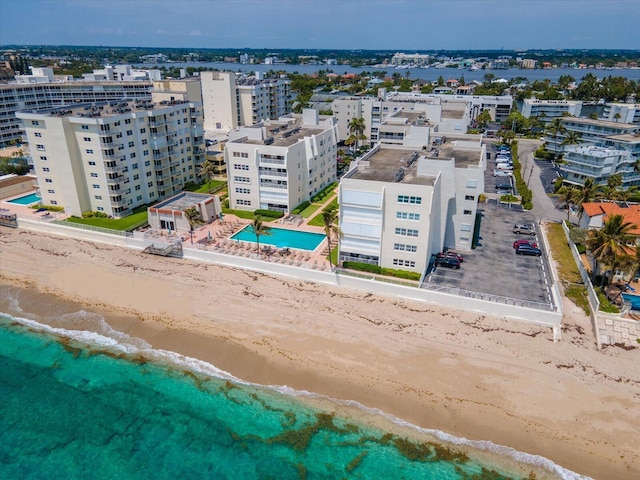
pixel 279 237
pixel 633 299
pixel 26 200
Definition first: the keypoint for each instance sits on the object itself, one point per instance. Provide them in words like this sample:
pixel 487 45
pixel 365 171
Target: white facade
pixel 15 97
pixel 416 59
pixel 38 75
pixel 230 102
pixel 399 206
pixel 114 157
pixel 547 110
pixel 622 112
pixel 597 163
pixel 279 164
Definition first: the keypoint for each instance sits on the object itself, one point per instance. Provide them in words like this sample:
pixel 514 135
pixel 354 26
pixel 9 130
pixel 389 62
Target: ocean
pixel 81 400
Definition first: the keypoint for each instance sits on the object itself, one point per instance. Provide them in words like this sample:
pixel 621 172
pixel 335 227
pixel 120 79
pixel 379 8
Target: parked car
pixel 524 228
pixel 449 262
pixel 526 249
pixel 524 241
pixel 504 148
pixel 504 186
pixel 502 173
pixel 504 166
pixel 452 254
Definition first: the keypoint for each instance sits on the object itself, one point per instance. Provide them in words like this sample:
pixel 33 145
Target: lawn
pixel 318 221
pixel 204 188
pixel 310 210
pixel 136 219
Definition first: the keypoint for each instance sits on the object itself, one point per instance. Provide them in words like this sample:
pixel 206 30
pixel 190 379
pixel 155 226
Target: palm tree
pixel 617 117
pixel 207 169
pixel 568 195
pixel 194 218
pixel 607 245
pixel 556 128
pixel 357 128
pixel 259 228
pixel 329 219
pixel 585 194
pixel 572 138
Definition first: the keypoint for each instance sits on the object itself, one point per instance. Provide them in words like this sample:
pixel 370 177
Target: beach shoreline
pixel 458 372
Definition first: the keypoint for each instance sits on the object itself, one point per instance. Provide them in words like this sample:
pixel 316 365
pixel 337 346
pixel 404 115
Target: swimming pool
pixel 279 237
pixel 26 200
pixel 634 300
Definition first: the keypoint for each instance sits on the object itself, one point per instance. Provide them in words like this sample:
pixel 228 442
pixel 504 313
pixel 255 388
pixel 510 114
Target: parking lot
pixel 492 270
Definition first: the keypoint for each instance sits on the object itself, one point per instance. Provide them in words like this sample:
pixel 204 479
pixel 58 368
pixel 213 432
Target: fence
pixel 92 228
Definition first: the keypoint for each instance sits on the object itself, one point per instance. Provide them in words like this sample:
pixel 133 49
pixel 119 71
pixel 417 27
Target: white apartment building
pixel 399 206
pixel 278 164
pixel 15 97
pixel 446 114
pixel 112 157
pixel 547 110
pixel 622 112
pixel 171 90
pixel 230 101
pixel 416 59
pixel 598 163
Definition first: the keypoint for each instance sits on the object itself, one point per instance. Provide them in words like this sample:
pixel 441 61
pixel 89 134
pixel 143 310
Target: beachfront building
pixel 278 164
pixel 547 110
pixel 400 205
pixel 230 101
pixel 112 157
pixel 410 59
pixel 622 112
pixel 598 163
pixel 29 96
pixel 171 214
pixel 171 90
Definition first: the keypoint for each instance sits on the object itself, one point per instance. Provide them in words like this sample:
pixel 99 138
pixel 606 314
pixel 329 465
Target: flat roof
pixel 385 164
pixel 456 113
pixel 462 157
pixel 183 201
pixel 103 108
pixel 285 134
pixel 603 123
pixel 626 137
pixel 411 117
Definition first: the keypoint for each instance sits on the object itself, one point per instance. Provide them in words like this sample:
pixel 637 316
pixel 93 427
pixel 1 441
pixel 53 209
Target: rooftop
pixel 602 123
pixel 463 157
pixel 593 151
pixel 283 134
pixel 103 109
pixel 183 201
pixel 626 137
pixel 385 164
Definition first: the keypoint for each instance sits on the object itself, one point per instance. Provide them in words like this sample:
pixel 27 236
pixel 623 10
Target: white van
pixel 504 166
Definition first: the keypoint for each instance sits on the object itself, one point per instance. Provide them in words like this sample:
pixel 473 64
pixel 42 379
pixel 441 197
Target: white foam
pixel 199 366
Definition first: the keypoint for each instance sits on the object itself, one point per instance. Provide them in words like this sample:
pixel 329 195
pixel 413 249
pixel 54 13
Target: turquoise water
pixel 78 404
pixel 26 200
pixel 280 237
pixel 634 300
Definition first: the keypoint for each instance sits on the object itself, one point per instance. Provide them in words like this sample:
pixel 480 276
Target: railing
pixel 108 231
pixel 370 276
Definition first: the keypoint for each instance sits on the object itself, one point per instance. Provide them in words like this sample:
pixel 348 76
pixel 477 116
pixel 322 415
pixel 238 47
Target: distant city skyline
pixel 403 25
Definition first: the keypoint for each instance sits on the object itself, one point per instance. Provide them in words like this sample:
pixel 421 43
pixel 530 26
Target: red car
pixel 524 241
pixel 451 254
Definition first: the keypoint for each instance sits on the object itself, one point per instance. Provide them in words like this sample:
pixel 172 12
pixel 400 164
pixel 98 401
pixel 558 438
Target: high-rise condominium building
pixel 112 157
pixel 279 164
pixel 230 101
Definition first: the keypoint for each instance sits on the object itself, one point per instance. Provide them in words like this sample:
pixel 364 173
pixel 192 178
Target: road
pixel 544 208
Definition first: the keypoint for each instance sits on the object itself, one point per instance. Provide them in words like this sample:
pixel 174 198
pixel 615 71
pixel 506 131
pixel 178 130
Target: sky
pixel 403 25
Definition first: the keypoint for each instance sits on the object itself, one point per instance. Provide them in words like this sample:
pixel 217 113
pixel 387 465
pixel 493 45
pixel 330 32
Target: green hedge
pixel 269 213
pixel 392 272
pixel 300 208
pixel 324 193
pixel 523 190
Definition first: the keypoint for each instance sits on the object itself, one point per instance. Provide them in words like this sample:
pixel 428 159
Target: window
pixel 92 164
pixel 145 153
pixel 87 139
pixel 45 169
pixel 144 141
pixel 44 159
pixel 243 202
pixel 94 175
pixel 469 197
pixel 401 247
pixel 48 180
pixel 137 188
pixel 134 166
pixel 35 122
pixel 467 212
pixel 100 209
pixel 414 216
pixel 51 191
pixel 54 202
pixel 410 200
pixel 150 184
pixel 38 134
pixel 89 151
pixel 147 163
pixel 242 179
pixel 148 174
pixel 404 263
pixel 95 185
pixel 465 227
pixel 407 232
pixel 40 148
pixel 238 166
pixel 143 130
pixel 241 154
pixel 85 127
pixel 127 121
pixel 138 198
pixel 136 177
pixel 133 155
pixel 98 197
pixel 129 133
pixel 472 183
pixel 131 144
pixel 152 194
pixel 243 190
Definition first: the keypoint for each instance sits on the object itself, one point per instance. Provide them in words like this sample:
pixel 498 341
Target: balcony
pixel 272 173
pixel 114 168
pixel 118 203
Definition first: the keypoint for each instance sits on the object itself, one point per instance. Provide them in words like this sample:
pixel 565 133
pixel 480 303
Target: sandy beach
pixel 472 376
